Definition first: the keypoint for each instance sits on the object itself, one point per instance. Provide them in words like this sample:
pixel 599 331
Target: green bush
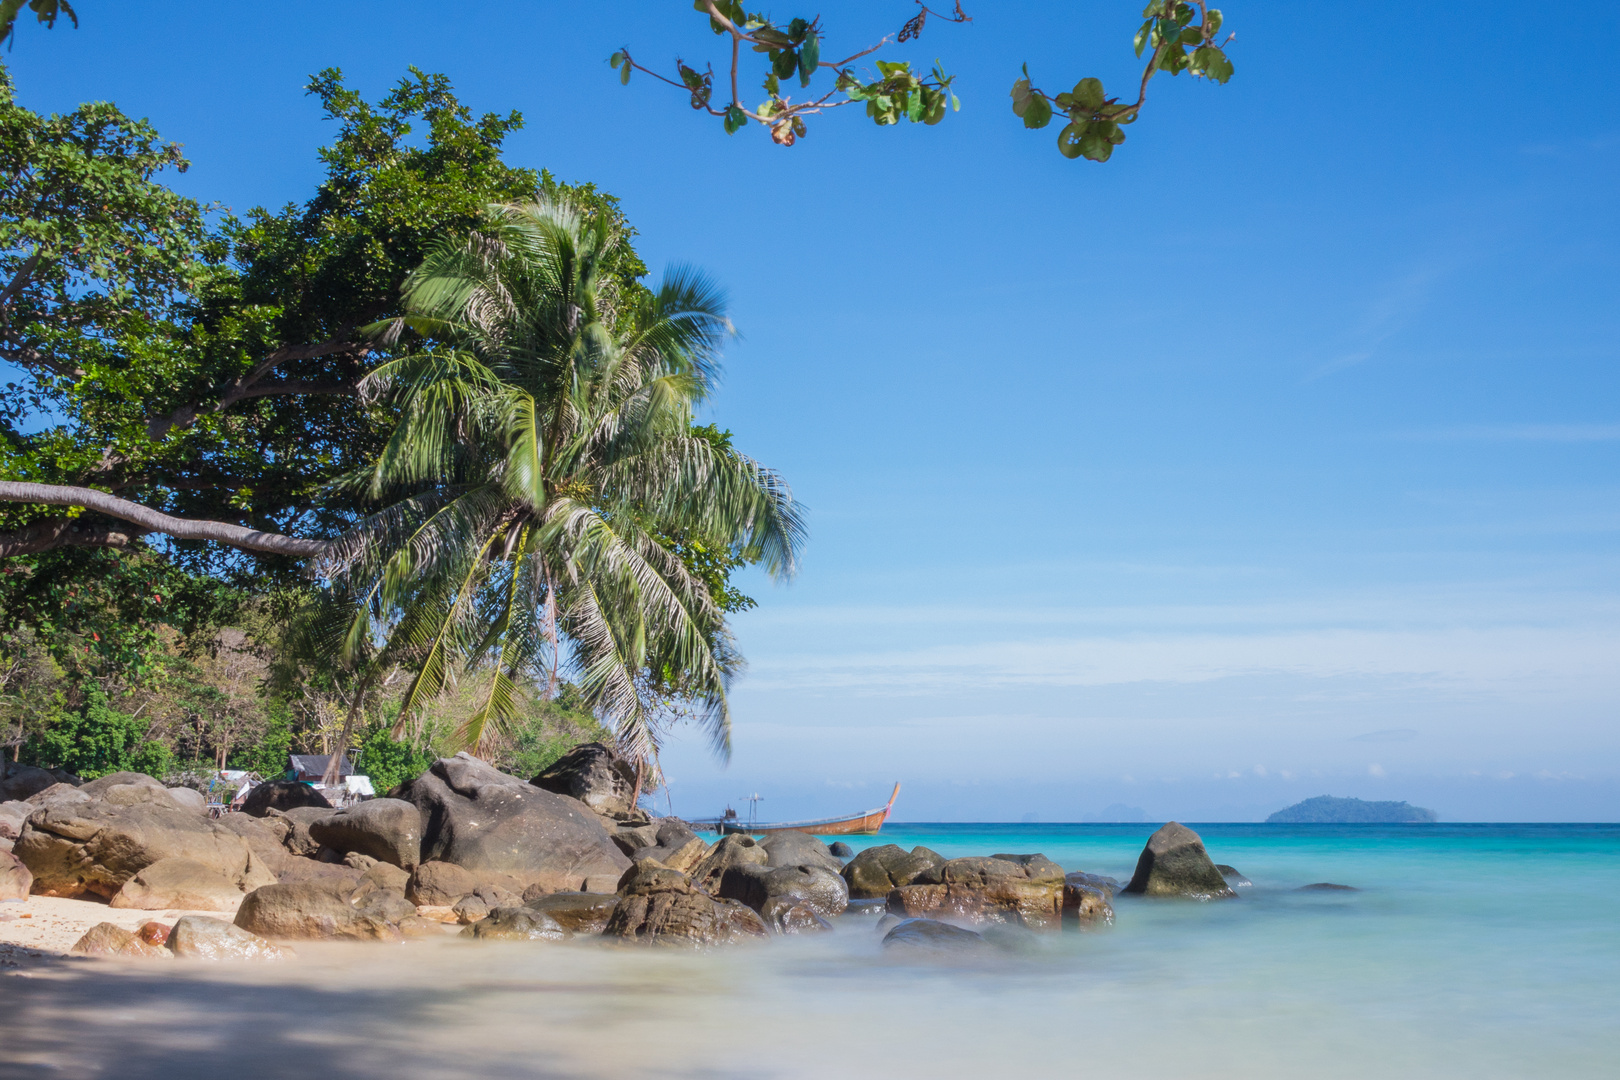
pixel 97 739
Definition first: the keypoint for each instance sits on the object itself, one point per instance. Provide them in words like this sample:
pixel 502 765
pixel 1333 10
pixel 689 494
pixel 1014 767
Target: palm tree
pixel 543 459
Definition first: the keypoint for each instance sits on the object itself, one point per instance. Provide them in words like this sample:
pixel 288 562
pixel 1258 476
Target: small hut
pixel 310 768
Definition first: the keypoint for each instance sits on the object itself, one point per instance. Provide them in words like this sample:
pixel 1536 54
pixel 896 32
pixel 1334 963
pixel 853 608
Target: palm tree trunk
pixel 335 761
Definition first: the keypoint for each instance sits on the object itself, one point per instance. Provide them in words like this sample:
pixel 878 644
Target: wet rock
pixel 1026 890
pixel 1232 877
pixel 731 853
pixel 516 924
pixel 415 927
pixel 593 774
pixel 388 905
pixel 95 847
pixel 675 845
pixel 440 884
pixel 178 883
pixel 823 891
pixel 311 910
pixel 929 935
pixel 1097 881
pixel 661 906
pixel 1326 886
pixel 389 830
pixel 867 909
pixel 19 781
pixel 262 837
pixel 841 850
pixel 799 849
pixel 105 939
pixel 282 795
pixel 153 933
pixel 576 912
pixel 488 822
pixel 874 873
pixel 198 937
pixel 16 881
pixel 1086 905
pixel 1175 864
pixel 788 916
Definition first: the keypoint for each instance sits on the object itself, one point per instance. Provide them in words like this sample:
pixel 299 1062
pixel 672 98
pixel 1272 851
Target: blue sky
pixel 1276 457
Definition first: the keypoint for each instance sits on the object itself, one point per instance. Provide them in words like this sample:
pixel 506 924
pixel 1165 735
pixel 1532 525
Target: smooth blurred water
pixel 1466 951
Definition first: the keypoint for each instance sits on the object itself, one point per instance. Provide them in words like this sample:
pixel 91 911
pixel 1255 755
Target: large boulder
pixel 732 853
pixel 1025 890
pixel 107 939
pixel 485 821
pixel 874 873
pixel 132 788
pixel 799 849
pixel 95 847
pixel 660 906
pixel 300 870
pixel 770 889
pixel 515 924
pixel 593 774
pixel 178 883
pixel 190 798
pixel 15 879
pixel 262 836
pixel 57 793
pixel 18 781
pixel 312 910
pixel 294 826
pixel 576 912
pixel 389 830
pixel 1174 863
pixel 198 937
pixel 13 815
pixel 674 844
pixel 282 795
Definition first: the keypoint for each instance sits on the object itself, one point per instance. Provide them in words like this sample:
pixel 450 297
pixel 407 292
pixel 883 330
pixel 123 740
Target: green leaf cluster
pixel 900 94
pixel 1170 32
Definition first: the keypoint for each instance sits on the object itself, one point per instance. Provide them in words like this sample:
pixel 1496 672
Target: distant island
pixel 1326 810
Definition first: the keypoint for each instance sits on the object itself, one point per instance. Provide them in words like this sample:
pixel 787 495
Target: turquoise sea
pixel 1475 951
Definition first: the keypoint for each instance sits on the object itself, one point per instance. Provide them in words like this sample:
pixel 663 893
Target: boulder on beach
pixel 516 924
pixel 576 912
pixel 389 830
pixel 660 906
pixel 673 843
pixel 13 815
pixel 106 939
pixel 178 883
pixel 300 869
pixel 133 788
pixel 16 880
pixel 190 798
pixel 731 853
pixel 262 837
pixel 486 821
pixel 198 937
pixel 759 887
pixel 282 795
pixel 311 910
pixel 440 884
pixel 1026 890
pixel 95 847
pixel 593 774
pixel 874 873
pixel 799 849
pixel 1175 864
pixel 932 936
pixel 294 828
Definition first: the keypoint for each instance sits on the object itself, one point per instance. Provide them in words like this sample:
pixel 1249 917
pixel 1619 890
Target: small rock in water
pixel 867 909
pixel 198 937
pixel 516 924
pixel 841 850
pixel 1174 863
pixel 1233 876
pixel 932 936
pixel 106 939
pixel 1326 886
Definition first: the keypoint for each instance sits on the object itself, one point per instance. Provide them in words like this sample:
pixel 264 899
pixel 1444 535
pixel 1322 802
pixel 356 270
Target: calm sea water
pixel 1467 951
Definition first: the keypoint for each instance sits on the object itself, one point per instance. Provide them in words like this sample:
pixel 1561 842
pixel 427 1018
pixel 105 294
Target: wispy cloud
pixel 1565 433
pixel 1404 734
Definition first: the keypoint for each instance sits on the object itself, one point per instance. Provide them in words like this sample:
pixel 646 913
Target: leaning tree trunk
pixel 335 762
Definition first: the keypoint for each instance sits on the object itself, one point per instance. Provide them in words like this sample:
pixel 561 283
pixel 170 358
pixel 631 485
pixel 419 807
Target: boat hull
pixel 866 824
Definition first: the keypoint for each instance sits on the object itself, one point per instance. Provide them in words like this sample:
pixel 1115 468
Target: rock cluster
pixel 507 860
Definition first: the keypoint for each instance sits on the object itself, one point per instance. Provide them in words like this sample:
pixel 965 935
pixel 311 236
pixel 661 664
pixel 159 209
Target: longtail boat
pixel 863 824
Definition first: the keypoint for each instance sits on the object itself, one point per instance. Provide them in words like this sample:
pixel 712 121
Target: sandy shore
pixel 45 927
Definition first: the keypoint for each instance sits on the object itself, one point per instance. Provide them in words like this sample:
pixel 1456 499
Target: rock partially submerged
pixel 874 873
pixel 314 910
pixel 516 924
pixel 198 937
pixel 932 936
pixel 1175 864
pixel 660 906
pixel 1025 890
pixel 576 912
pixel 107 939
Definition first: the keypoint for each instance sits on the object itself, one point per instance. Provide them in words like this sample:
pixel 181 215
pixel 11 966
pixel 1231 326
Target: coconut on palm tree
pixel 545 478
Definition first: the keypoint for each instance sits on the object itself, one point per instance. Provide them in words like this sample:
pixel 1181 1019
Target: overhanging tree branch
pixel 53 533
pixel 150 520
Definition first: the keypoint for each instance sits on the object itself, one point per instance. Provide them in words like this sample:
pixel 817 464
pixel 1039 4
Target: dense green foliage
pixel 210 365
